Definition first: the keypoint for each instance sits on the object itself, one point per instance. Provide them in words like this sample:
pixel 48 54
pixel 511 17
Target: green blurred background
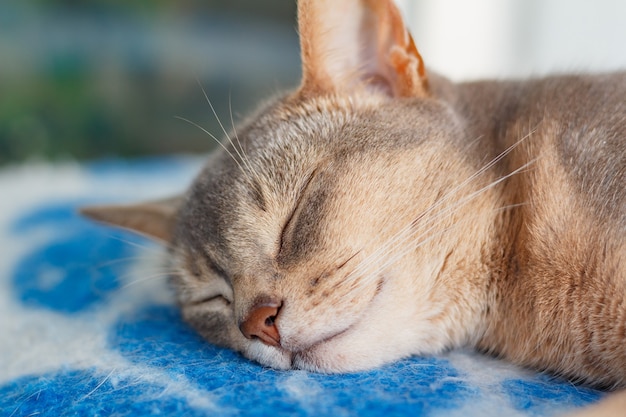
pixel 87 79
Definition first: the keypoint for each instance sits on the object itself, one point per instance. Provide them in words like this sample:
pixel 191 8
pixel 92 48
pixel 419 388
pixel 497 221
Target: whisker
pixel 152 277
pixel 206 96
pixel 244 156
pixel 154 272
pixel 216 140
pixel 420 242
pixel 241 152
pixel 154 249
pixel 398 256
pixel 396 242
pixel 407 230
pixel 511 206
pixel 128 259
pixel 481 171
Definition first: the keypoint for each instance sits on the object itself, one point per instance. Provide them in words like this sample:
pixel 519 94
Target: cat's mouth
pixel 308 360
pixel 315 357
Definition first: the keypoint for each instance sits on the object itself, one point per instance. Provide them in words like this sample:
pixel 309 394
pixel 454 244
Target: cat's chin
pixel 329 357
pixel 313 360
pixel 329 360
pixel 350 349
pixel 269 356
pixel 318 358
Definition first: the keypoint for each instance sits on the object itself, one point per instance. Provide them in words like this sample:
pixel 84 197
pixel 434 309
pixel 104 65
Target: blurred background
pixel 518 38
pixel 87 79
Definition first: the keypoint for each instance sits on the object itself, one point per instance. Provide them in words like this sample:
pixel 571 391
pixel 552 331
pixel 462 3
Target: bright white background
pixel 469 39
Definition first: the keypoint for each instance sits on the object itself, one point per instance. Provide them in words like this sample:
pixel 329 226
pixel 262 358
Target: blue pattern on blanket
pixel 135 356
pixel 157 337
pixel 79 392
pixel 522 392
pixel 69 273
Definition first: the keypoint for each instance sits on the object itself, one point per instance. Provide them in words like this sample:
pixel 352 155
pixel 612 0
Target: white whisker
pixel 147 247
pixel 243 155
pixel 128 259
pixel 206 96
pixel 218 142
pixel 152 277
pixel 385 249
pixel 401 240
pixel 238 149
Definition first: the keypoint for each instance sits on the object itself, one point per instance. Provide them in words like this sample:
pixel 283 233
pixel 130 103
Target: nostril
pixel 261 324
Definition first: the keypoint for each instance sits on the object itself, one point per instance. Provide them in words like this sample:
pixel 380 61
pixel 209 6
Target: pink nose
pixel 260 324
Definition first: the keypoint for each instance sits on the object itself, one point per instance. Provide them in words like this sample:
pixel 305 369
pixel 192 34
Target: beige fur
pixel 386 214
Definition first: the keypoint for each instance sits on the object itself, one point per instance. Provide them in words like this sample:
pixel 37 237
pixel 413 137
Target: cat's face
pixel 315 220
pixel 323 237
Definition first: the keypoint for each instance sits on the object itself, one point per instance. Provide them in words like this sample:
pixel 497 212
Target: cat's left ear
pixel 350 44
pixel 155 219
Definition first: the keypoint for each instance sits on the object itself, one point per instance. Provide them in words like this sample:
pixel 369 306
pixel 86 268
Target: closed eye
pixel 219 298
pixel 292 215
pixel 215 269
pixel 209 284
pixel 192 260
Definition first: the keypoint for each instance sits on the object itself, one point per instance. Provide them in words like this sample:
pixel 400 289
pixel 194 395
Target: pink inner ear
pixel 356 44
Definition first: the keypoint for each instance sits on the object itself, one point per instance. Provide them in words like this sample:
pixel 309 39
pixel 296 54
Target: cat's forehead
pixel 292 125
pixel 248 188
pixel 289 139
pixel 251 187
pixel 294 131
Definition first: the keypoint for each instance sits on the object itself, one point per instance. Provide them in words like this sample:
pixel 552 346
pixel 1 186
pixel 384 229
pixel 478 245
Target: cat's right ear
pixel 155 219
pixel 348 45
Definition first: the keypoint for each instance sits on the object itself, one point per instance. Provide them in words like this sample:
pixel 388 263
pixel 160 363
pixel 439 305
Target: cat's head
pixel 317 237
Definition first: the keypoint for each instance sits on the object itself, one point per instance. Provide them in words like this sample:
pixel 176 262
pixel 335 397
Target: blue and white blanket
pixel 88 326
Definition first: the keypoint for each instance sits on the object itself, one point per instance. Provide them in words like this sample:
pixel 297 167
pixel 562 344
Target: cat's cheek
pixel 361 349
pixel 379 337
pixel 306 322
pixel 394 327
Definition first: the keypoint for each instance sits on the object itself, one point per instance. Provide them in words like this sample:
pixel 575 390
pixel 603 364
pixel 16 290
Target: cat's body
pixel 375 213
pixel 558 300
pixel 531 269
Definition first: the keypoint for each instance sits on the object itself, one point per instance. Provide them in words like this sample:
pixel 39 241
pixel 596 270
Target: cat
pixel 380 211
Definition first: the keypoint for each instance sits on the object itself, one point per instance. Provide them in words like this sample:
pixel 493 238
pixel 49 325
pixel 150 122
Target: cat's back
pixel 572 125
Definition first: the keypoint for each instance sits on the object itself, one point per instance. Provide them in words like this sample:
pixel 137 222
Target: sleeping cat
pixel 379 211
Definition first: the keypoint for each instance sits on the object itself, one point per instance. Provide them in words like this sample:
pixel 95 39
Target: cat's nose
pixel 260 323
